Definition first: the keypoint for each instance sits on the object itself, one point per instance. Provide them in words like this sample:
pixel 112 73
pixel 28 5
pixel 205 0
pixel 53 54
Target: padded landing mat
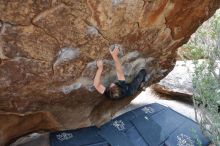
pixel 188 134
pixel 148 110
pixel 152 132
pixel 149 125
pixel 79 137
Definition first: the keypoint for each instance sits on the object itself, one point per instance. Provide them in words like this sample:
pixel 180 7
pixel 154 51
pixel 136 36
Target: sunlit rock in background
pixel 179 82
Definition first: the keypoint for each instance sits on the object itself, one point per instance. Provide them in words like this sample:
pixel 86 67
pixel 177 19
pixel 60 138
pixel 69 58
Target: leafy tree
pixel 205 43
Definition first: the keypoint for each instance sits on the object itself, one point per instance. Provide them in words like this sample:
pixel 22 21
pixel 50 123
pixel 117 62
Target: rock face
pixel 48 50
pixel 178 83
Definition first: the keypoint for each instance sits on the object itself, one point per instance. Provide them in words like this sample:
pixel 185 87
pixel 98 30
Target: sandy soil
pixel 149 96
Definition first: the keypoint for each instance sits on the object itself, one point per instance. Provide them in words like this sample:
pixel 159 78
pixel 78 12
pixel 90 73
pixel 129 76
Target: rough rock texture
pixel 48 48
pixel 178 83
pixel 34 139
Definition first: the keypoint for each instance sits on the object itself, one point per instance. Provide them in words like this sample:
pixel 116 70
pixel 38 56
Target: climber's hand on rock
pixel 99 64
pixel 115 52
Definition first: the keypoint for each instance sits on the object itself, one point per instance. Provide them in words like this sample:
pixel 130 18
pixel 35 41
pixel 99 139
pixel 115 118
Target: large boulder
pixel 48 50
pixel 178 83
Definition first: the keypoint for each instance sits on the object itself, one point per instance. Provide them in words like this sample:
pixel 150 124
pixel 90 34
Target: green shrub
pixel 205 43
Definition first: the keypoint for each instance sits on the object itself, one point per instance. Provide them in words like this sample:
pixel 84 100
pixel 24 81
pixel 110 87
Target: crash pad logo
pixel 146 117
pixel 64 136
pixel 147 110
pixel 119 124
pixel 184 140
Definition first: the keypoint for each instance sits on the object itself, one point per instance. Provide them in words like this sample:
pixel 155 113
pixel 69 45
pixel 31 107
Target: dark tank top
pixel 124 90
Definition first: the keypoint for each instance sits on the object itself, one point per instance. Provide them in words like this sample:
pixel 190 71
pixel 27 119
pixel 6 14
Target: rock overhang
pixel 48 49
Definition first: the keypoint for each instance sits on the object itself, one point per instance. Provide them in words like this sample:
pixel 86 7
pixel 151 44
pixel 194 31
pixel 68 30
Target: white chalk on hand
pixel 112 47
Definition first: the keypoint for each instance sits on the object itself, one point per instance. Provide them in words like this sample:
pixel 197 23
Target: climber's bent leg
pixel 135 84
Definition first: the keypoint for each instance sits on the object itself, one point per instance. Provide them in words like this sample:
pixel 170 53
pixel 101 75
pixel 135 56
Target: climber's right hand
pixel 114 52
pixel 99 64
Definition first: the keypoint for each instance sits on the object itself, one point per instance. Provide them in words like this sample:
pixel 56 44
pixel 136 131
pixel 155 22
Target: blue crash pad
pixel 149 109
pixel 121 132
pixel 149 125
pixel 114 131
pixel 79 137
pixel 135 138
pixel 152 133
pixel 128 116
pixel 188 134
pixel 156 128
pixel 169 120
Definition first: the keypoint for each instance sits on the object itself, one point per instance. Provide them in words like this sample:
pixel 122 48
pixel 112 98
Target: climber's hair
pixel 114 92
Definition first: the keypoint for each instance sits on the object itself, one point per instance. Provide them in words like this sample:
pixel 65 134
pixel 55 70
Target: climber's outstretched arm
pixel 97 81
pixel 119 70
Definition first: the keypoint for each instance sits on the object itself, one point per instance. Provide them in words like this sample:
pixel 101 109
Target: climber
pixel 119 89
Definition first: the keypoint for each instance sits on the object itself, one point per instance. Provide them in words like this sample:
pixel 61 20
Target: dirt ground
pixel 149 96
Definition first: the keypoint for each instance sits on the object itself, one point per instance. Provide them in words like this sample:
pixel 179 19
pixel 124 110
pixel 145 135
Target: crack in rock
pixel 1 26
pixel 53 37
pixel 92 31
